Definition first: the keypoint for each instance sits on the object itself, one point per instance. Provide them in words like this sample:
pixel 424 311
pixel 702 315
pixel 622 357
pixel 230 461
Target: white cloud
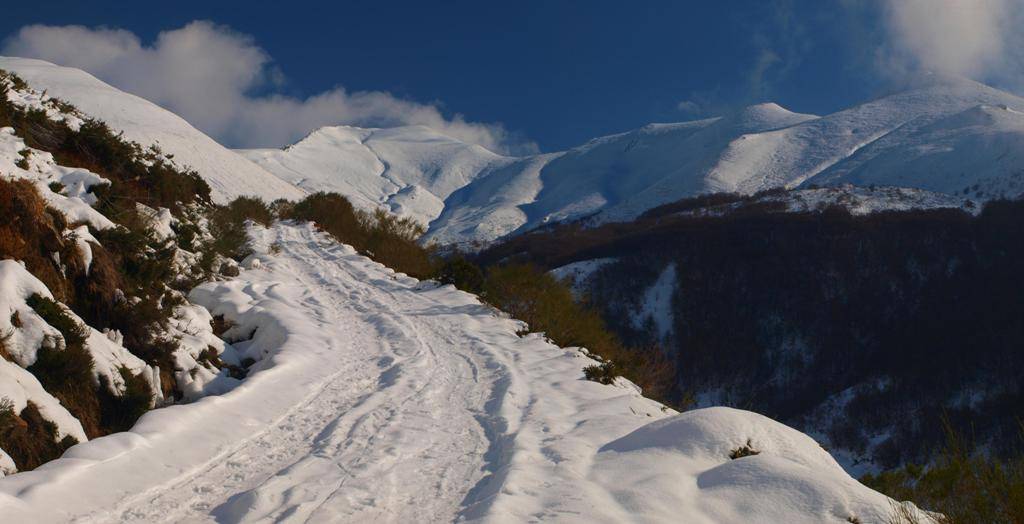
pixel 974 38
pixel 207 73
pixel 689 107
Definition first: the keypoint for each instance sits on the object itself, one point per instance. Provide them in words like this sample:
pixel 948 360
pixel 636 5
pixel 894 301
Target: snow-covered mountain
pixel 411 170
pixel 947 135
pixel 228 174
pixel 943 134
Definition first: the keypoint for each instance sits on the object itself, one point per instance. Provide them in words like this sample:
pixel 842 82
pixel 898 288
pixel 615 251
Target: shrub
pixel 54 315
pixel 462 274
pixel 136 175
pixel 383 237
pixel 391 240
pixel 230 240
pixel 33 234
pixel 963 487
pixel 28 438
pixel 604 373
pixel 249 208
pixel 23 161
pixel 12 80
pixel 547 305
pixel 746 450
pixel 67 374
pixel 119 412
pixel 332 213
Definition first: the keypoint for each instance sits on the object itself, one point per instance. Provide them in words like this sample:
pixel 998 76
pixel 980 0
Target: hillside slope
pixel 228 174
pixel 378 397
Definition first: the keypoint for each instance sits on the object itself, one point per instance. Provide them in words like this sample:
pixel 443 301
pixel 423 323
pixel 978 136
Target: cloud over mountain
pixel 218 79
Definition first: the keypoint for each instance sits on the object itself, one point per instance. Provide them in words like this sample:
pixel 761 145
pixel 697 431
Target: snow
pixel 657 304
pixel 158 220
pixel 578 273
pixel 228 174
pixel 16 384
pixel 680 466
pixel 937 143
pixel 16 286
pixel 375 396
pixel 190 326
pixel 82 238
pixel 976 152
pixel 7 466
pixel 408 170
pixel 74 200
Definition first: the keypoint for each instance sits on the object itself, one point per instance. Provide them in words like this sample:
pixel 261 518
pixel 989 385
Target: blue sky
pixel 551 73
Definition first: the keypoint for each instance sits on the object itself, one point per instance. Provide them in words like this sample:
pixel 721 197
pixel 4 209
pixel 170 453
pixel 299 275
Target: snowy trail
pixel 368 444
pixel 379 398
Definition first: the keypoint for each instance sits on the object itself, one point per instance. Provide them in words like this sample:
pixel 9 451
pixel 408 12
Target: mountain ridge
pixel 469 196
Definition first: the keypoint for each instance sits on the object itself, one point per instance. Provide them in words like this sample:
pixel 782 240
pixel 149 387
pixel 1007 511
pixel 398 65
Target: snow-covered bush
pixel 94 225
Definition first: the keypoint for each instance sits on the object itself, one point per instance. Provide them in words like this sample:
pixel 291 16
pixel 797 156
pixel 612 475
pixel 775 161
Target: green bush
pixel 462 274
pixel 23 161
pixel 230 238
pixel 392 241
pixel 547 305
pixel 67 374
pixel 119 412
pixel 227 227
pixel 332 213
pixel 604 373
pixel 963 487
pixel 54 315
pixel 249 208
pixel 746 450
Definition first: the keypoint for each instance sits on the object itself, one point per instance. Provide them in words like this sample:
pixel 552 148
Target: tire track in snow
pixel 394 435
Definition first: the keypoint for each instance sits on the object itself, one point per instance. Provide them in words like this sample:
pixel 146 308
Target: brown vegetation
pixel 28 438
pixel 31 233
pixel 547 305
pixel 383 237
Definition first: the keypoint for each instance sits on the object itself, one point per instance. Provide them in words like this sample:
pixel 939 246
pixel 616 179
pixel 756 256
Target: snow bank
pixel 681 466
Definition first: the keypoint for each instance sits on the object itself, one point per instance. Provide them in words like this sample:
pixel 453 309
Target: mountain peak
pixel 762 117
